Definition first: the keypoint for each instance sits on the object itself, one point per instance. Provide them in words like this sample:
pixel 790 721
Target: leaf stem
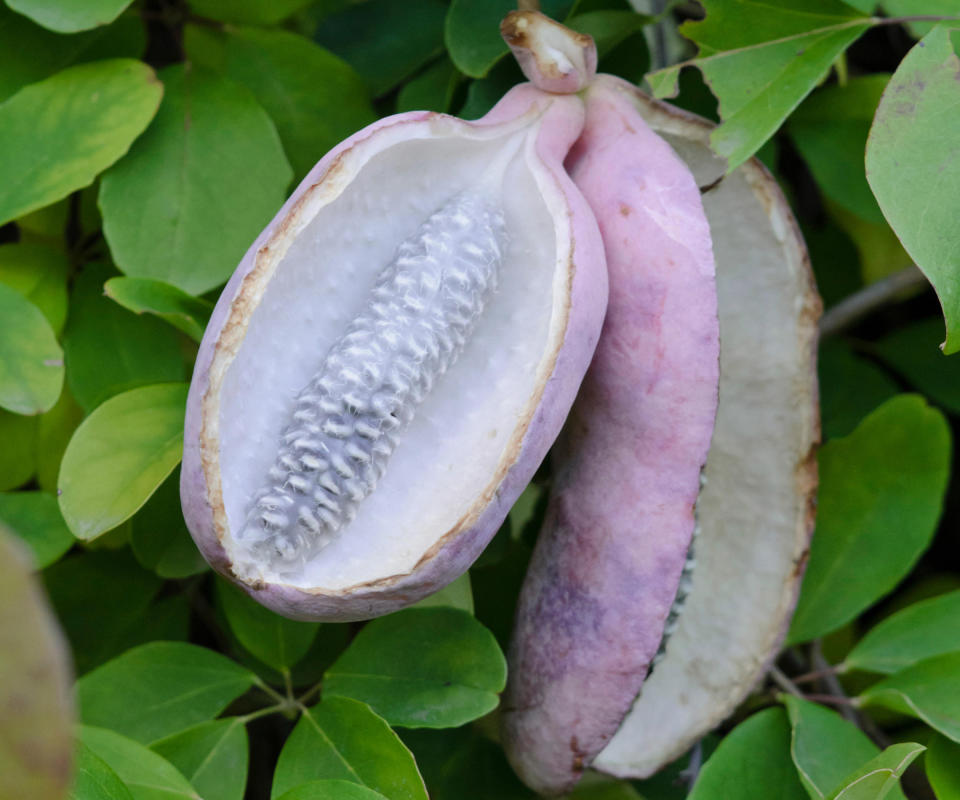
pixel 262 712
pixel 784 682
pixel 315 689
pixel 266 688
pixel 864 302
pixel 817 674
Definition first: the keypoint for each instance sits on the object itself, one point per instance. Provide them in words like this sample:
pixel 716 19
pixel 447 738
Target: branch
pixel 854 308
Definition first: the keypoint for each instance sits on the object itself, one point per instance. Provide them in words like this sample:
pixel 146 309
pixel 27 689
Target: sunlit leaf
pixel 143 296
pixel 70 17
pixel 879 777
pixel 39 273
pixel 31 361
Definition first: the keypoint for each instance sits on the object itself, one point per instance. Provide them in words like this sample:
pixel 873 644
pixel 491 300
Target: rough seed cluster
pixel 346 422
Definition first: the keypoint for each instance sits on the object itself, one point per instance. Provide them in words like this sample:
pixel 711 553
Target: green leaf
pixel 422 668
pixel 483 94
pixel 70 127
pixel 943 767
pixel 913 352
pixel 315 99
pixel 928 628
pixel 36 519
pixel 432 89
pixel 472 31
pixel 53 433
pixel 908 8
pixel 119 455
pixel 850 388
pixel 159 689
pixel 142 296
pixel 605 790
pixel 250 12
pixel 61 17
pixel 331 790
pixel 31 361
pixel 457 594
pixel 142 350
pixel 212 755
pixel 39 273
pixel 197 187
pixel 878 778
pixel 926 690
pixel 914 172
pixel 102 601
pixel 830 131
pixel 877 512
pixel 343 739
pixel 385 41
pixel 752 762
pixel 94 780
pixel 147 775
pixel 29 53
pixel 18 454
pixel 275 640
pixel 36 706
pixel 761 60
pixel 825 747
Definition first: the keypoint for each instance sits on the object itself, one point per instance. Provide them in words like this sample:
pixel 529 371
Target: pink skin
pixel 606 568
pixel 456 549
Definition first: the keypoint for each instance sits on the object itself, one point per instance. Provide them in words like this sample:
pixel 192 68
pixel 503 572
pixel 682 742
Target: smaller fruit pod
pixel 633 639
pixel 392 359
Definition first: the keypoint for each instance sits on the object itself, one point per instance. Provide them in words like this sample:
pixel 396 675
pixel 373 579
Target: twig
pixel 691 772
pixel 817 674
pixel 784 682
pixel 842 703
pixel 860 304
pixel 830 680
pixel 315 689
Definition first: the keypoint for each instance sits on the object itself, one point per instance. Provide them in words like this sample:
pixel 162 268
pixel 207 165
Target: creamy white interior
pixel 752 510
pixel 451 451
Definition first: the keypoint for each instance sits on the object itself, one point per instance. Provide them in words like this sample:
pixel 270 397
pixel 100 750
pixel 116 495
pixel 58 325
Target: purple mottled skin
pixel 627 467
pixel 456 549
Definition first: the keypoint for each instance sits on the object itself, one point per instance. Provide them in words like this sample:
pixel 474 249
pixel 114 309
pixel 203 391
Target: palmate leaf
pixel 331 790
pixel 752 763
pixel 212 755
pixel 879 777
pixel 761 59
pixel 70 127
pixel 94 780
pixel 429 667
pixel 914 171
pixel 876 515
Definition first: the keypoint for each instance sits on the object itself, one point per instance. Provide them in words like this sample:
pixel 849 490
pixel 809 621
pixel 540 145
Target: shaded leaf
pixel 825 747
pixel 70 17
pixel 53 433
pixel 343 739
pixel 36 704
pixel 752 761
pixel 315 99
pixel 185 178
pixel 878 778
pixel 69 128
pixel 159 536
pixel 119 455
pixel 331 790
pixel 943 767
pixel 850 388
pixel 457 594
pixel 928 628
pixel 147 775
pixel 275 640
pixel 830 131
pixel 385 41
pixel 39 273
pixel 29 53
pixel 18 454
pixel 31 361
pixel 101 599
pixel 913 173
pixel 252 12
pixel 212 755
pixel 36 520
pixel 432 89
pixel 913 351
pixel 160 688
pixel 761 60
pixel 108 350
pixel 141 295
pixel 430 667
pixel 94 780
pixel 926 690
pixel 876 515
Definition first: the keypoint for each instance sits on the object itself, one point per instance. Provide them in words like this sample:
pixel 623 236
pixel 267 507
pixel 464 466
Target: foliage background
pixel 142 147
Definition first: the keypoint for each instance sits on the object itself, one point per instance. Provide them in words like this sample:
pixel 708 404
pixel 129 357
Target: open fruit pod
pixel 674 542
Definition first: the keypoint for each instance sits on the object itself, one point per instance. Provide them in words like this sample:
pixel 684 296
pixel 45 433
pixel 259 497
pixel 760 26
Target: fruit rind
pixel 454 550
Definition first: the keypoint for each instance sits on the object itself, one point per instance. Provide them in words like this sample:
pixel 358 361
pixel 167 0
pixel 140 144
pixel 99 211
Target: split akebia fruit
pixel 634 636
pixel 392 359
